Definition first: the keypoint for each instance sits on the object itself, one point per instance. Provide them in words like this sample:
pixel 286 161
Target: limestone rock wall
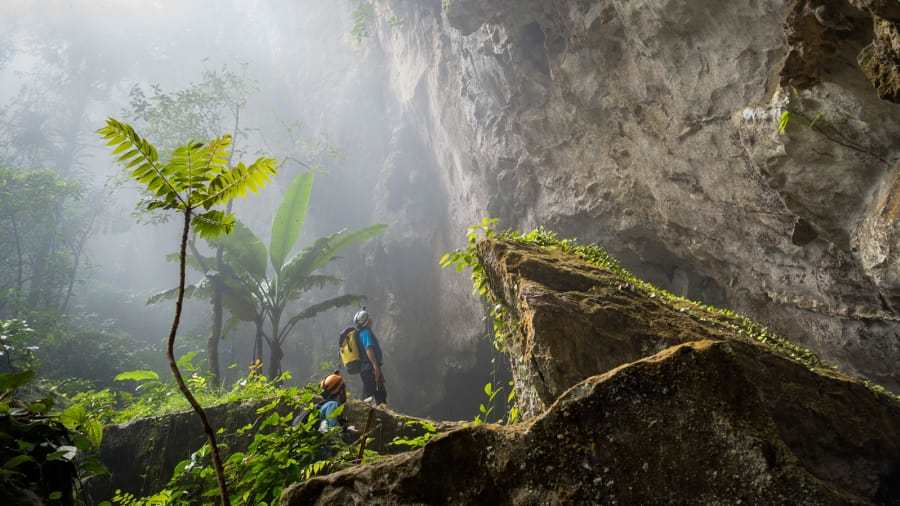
pixel 653 128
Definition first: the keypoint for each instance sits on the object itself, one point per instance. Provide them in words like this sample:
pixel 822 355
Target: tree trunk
pixel 212 344
pixel 173 365
pixel 79 249
pixel 215 337
pixel 258 343
pixel 20 277
pixel 275 359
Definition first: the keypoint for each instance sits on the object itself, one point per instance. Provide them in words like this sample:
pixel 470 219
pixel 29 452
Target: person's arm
pixel 370 352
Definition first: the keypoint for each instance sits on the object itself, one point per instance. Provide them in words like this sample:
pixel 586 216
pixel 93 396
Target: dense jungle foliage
pixel 43 338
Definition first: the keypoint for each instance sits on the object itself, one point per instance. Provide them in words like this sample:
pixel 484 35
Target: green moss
pixel 599 257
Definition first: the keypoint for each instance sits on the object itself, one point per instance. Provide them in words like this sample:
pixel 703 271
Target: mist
pixel 449 252
pixel 297 82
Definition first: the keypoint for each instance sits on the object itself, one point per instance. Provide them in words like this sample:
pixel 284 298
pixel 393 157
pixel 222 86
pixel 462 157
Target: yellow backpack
pixel 348 344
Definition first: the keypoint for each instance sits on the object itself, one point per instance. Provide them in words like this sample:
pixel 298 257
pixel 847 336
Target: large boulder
pixel 141 455
pixel 638 396
pixel 569 318
pixel 706 422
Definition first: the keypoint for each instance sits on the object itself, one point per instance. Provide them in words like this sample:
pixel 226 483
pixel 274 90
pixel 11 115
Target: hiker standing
pixel 370 371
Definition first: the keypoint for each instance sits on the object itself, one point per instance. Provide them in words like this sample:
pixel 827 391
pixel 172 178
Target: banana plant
pixel 272 279
pixel 191 182
pixel 261 283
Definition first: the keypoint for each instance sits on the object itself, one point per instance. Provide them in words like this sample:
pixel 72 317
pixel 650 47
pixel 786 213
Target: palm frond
pixel 294 290
pixel 289 219
pixel 200 289
pixel 315 309
pixel 323 251
pixel 213 223
pixel 142 160
pixel 237 181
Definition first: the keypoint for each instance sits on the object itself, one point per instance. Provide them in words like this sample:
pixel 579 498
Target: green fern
pixel 197 175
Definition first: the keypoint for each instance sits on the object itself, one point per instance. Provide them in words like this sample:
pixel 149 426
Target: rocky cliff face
pixel 723 414
pixel 653 128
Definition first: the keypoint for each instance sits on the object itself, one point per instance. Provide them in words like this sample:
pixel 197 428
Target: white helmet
pixel 361 318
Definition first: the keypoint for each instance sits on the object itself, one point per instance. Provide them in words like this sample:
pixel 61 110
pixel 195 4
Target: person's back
pixel 334 395
pixel 370 373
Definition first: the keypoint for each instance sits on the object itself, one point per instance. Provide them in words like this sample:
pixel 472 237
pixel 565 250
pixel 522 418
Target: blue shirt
pixel 326 411
pixel 368 340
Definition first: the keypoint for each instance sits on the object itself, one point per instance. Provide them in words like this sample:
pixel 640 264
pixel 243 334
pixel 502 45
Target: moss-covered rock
pixel 706 422
pixel 141 455
pixel 572 312
pixel 880 60
pixel 639 397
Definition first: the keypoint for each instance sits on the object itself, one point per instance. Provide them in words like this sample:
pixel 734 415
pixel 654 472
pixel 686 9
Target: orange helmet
pixel 333 382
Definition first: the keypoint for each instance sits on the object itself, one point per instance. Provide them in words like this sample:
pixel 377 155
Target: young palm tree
pixel 194 180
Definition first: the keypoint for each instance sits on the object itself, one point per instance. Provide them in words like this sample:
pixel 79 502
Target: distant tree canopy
pixel 201 110
pixel 38 246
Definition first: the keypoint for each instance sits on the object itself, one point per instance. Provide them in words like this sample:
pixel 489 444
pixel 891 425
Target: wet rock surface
pixel 706 422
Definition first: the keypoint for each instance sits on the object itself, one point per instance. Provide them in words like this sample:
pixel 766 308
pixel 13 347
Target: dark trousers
pixel 371 388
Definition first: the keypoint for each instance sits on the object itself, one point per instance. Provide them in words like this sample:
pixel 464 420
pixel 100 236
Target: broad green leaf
pixel 344 239
pixel 336 302
pixel 11 380
pixel 193 290
pixel 273 419
pixel 292 288
pixel 17 461
pixel 322 252
pixel 239 302
pixel 194 260
pixel 244 249
pixel 73 416
pixel 141 375
pixel 186 361
pixel 289 219
pixel 93 429
pixel 213 224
